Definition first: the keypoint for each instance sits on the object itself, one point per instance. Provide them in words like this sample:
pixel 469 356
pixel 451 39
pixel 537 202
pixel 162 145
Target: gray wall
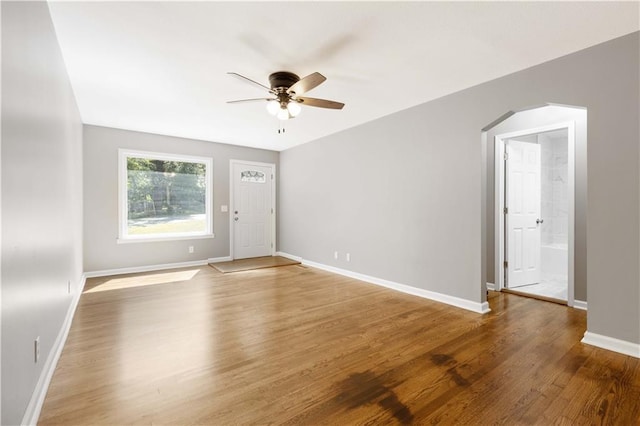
pixel 41 198
pixel 537 118
pixel 101 251
pixel 403 194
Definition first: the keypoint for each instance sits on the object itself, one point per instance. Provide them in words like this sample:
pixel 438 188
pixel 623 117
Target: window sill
pixel 131 240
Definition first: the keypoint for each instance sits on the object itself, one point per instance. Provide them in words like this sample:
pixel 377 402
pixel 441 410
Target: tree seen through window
pixel 165 197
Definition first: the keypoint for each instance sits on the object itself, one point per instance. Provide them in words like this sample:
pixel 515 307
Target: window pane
pixel 252 176
pixel 165 197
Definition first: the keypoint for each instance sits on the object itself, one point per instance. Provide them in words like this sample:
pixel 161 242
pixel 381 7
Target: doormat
pixel 253 263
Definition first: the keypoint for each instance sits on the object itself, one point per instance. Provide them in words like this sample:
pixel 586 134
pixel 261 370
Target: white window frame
pixel 123 201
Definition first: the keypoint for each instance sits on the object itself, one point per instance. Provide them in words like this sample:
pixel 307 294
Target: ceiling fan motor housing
pixel 284 79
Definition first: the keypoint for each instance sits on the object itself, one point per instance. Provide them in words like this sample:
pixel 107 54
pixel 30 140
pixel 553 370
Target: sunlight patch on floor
pixel 145 280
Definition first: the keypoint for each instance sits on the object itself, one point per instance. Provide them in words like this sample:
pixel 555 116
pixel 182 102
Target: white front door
pixel 522 191
pixel 252 209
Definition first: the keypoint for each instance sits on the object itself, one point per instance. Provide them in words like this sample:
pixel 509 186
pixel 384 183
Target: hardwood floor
pixel 295 345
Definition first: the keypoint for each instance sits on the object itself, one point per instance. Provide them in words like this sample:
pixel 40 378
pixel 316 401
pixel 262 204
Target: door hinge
pixel 271 211
pixel 506 264
pixel 271 176
pixel 506 156
pixel 505 210
pixel 271 245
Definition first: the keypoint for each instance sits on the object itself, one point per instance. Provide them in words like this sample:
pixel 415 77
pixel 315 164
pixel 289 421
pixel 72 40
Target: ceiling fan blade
pixel 243 78
pixel 307 83
pixel 251 100
pixel 321 103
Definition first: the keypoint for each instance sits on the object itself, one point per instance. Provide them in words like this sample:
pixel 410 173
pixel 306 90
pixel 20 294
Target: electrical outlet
pixel 191 250
pixel 36 349
pixel 335 255
pixel 348 257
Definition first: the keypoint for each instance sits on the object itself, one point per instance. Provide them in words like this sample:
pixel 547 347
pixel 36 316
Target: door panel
pixel 252 212
pixel 523 171
pixel 517 244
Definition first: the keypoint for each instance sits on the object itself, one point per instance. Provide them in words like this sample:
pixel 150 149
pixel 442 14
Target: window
pixel 164 196
pixel 252 176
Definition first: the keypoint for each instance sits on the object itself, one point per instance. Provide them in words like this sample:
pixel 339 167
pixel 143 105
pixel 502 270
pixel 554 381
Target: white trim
pixel 272 166
pixel 219 259
pixel 1 235
pixel 499 201
pixel 130 240
pixel 612 344
pixel 123 236
pixel 149 268
pixel 34 407
pixel 491 286
pixel 498 241
pixel 571 201
pixel 289 256
pixel 481 308
pixel 580 304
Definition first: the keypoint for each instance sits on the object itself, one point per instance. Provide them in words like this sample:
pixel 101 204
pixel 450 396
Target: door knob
pixel 539 221
pixel 235 218
pixel 236 212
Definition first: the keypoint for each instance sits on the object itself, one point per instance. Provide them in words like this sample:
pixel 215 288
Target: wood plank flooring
pixel 295 345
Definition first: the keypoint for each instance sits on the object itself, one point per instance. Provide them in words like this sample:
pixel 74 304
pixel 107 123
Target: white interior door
pixel 523 169
pixel 252 210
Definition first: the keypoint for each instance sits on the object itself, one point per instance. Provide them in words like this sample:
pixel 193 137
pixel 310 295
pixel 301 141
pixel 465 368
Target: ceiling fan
pixel 286 88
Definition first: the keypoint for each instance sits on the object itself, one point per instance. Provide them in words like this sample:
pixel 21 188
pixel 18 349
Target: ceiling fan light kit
pixel 287 88
pixel 273 106
pixel 283 110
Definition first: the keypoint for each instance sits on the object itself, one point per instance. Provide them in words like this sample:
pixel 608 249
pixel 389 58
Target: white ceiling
pixel 160 67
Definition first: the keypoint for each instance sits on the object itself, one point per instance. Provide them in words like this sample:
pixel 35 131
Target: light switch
pixel 224 209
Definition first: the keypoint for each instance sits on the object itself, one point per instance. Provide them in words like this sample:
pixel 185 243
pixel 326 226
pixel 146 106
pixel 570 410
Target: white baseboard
pixel 612 344
pixel 136 269
pixel 580 304
pixel 219 259
pixel 289 256
pixel 481 308
pixel 491 286
pixel 32 412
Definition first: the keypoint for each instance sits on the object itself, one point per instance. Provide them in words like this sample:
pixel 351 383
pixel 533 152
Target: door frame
pixel 499 195
pixel 272 166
